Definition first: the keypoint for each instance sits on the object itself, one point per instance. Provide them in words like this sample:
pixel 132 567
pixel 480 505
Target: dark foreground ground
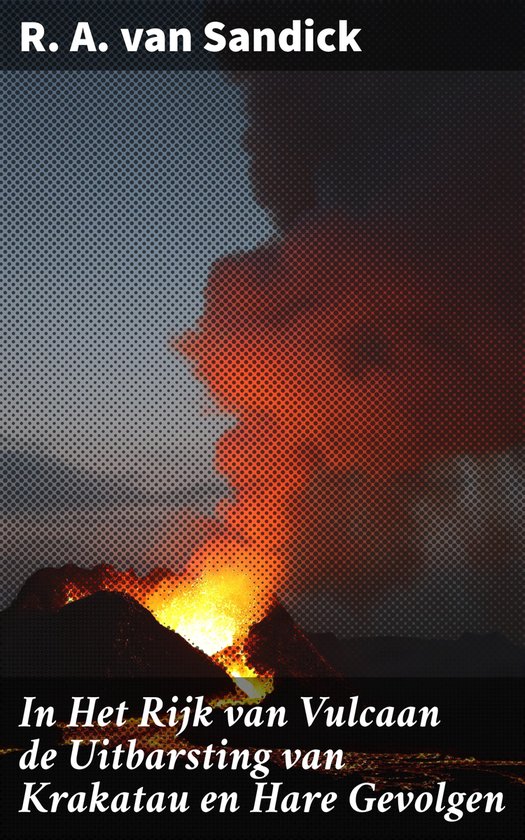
pixel 482 721
pixel 342 822
pixel 108 646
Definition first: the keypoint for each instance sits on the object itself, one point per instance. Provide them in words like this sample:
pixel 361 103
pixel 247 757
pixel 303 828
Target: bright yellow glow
pixel 253 685
pixel 212 612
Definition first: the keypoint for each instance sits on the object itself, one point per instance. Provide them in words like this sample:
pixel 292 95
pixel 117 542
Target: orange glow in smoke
pixel 338 353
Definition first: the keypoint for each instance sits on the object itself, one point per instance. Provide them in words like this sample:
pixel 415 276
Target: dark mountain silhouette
pixel 48 589
pixel 103 635
pixel 110 634
pixel 472 655
pixel 278 644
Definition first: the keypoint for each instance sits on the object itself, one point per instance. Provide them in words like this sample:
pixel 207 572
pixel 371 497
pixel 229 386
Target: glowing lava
pixel 212 605
pixel 214 613
pixel 210 613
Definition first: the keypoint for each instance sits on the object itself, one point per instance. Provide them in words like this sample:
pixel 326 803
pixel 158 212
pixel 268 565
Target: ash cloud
pixel 375 340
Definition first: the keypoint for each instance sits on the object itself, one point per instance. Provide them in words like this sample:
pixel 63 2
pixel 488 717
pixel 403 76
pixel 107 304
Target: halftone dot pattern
pixel 117 191
pixel 346 438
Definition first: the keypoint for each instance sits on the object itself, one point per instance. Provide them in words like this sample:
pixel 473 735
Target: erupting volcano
pixel 339 356
pixel 352 352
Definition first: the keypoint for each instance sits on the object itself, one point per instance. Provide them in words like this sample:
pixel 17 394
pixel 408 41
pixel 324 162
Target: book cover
pixel 262 444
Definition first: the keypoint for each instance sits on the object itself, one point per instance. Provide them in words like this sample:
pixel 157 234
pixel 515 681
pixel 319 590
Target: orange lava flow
pixel 212 606
pixel 214 613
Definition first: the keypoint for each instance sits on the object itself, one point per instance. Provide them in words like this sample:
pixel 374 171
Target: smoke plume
pixel 378 334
